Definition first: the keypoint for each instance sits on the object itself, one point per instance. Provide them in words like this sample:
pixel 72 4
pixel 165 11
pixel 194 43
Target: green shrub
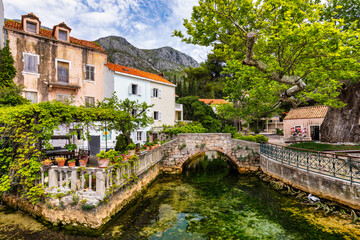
pixel 120 143
pixel 87 207
pixel 261 138
pixel 279 131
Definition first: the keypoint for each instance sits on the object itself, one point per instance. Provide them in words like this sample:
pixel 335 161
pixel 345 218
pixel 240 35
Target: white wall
pixel 165 104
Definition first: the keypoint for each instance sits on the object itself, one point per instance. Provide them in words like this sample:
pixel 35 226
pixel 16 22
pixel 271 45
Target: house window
pixel 157 115
pixel 63 72
pixel 156 93
pixel 31 96
pixel 31 62
pixel 134 89
pixel 89 72
pixel 62 97
pixel 89 101
pixel 138 136
pixel 63 35
pixel 31 27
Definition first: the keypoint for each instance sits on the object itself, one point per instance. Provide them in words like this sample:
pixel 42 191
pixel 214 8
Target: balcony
pixel 178 107
pixel 73 84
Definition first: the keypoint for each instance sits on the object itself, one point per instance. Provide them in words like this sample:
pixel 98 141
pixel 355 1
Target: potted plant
pixel 60 161
pixel 156 142
pixel 71 147
pixel 103 159
pixel 71 163
pixel 83 160
pixel 131 148
pixel 47 162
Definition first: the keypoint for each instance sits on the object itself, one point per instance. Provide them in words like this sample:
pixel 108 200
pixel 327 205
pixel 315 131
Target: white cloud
pixel 145 23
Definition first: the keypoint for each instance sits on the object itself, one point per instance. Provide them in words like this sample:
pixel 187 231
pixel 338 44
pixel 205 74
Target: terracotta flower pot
pixel 103 163
pixel 61 163
pixel 82 162
pixel 71 164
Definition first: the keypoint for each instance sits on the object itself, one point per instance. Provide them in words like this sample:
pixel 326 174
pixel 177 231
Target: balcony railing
pixel 340 166
pixel 92 181
pixel 178 107
pixel 73 83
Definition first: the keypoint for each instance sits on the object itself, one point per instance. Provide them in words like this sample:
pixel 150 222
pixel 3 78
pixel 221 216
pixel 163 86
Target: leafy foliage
pixel 184 128
pixel 9 91
pixel 286 41
pixel 205 81
pixel 257 138
pixel 200 112
pixel 25 129
pixel 135 115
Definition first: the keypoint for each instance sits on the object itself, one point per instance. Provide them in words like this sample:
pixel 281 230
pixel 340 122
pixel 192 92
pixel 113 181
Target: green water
pixel 211 201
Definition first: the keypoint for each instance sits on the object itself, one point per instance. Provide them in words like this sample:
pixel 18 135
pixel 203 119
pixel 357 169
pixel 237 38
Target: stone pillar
pixel 53 178
pixel 100 182
pixel 73 180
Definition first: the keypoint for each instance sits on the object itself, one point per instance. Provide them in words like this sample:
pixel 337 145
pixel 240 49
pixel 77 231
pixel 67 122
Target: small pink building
pixel 303 124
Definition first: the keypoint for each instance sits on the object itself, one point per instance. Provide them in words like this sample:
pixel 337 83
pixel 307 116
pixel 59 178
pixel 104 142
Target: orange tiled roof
pixel 307 112
pixel 48 33
pixel 213 101
pixel 136 72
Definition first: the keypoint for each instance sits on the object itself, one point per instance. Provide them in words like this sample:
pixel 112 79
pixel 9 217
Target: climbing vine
pixel 25 132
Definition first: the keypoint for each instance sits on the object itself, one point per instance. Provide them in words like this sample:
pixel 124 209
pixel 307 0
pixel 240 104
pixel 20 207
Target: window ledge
pixel 89 81
pixel 30 73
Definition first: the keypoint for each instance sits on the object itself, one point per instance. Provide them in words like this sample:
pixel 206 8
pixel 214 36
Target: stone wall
pixel 317 184
pixel 242 154
pixel 66 214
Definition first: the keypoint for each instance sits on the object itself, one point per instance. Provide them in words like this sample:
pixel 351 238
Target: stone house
pixel 303 124
pixel 53 65
pixel 142 86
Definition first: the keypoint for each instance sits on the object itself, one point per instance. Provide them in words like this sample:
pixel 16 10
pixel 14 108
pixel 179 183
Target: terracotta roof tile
pixel 307 112
pixel 48 33
pixel 136 72
pixel 213 101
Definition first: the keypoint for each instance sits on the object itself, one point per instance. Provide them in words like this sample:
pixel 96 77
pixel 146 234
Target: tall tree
pixel 205 81
pixel 289 43
pixel 9 91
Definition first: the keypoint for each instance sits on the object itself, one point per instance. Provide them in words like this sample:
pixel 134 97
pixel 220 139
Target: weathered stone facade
pixel 38 54
pixel 241 154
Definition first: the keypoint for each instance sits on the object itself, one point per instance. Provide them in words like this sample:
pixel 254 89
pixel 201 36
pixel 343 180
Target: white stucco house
pixel 151 88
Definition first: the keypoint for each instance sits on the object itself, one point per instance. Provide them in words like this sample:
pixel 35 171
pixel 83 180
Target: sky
pixel 147 24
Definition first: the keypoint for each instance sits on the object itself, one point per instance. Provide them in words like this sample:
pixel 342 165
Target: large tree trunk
pixel 342 124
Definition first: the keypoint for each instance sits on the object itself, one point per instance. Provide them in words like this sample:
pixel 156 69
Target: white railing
pixel 94 181
pixel 178 107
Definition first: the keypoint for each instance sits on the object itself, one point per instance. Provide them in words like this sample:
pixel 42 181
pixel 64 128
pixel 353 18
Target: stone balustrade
pixel 94 181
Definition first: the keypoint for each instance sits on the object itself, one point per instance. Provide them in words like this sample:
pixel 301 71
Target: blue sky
pixel 144 23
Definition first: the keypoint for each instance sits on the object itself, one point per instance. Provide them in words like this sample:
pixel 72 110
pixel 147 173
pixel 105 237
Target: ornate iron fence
pixel 335 165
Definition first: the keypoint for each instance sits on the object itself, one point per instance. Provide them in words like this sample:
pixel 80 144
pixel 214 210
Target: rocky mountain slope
pixel 162 60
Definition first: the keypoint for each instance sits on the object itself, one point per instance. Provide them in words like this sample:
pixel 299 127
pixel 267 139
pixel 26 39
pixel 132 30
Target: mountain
pixel 162 60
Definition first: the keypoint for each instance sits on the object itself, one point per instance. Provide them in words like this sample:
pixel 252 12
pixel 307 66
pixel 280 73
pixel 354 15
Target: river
pixel 208 201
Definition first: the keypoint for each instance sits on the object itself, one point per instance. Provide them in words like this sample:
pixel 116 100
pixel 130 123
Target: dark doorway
pixel 94 145
pixel 315 133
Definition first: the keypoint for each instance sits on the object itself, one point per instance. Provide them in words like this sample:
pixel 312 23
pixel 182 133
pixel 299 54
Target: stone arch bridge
pixel 243 155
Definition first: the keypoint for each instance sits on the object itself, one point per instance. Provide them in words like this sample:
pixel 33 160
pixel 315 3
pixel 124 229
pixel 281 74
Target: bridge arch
pixel 184 146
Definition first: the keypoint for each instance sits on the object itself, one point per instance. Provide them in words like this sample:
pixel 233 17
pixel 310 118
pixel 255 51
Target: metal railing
pixel 339 166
